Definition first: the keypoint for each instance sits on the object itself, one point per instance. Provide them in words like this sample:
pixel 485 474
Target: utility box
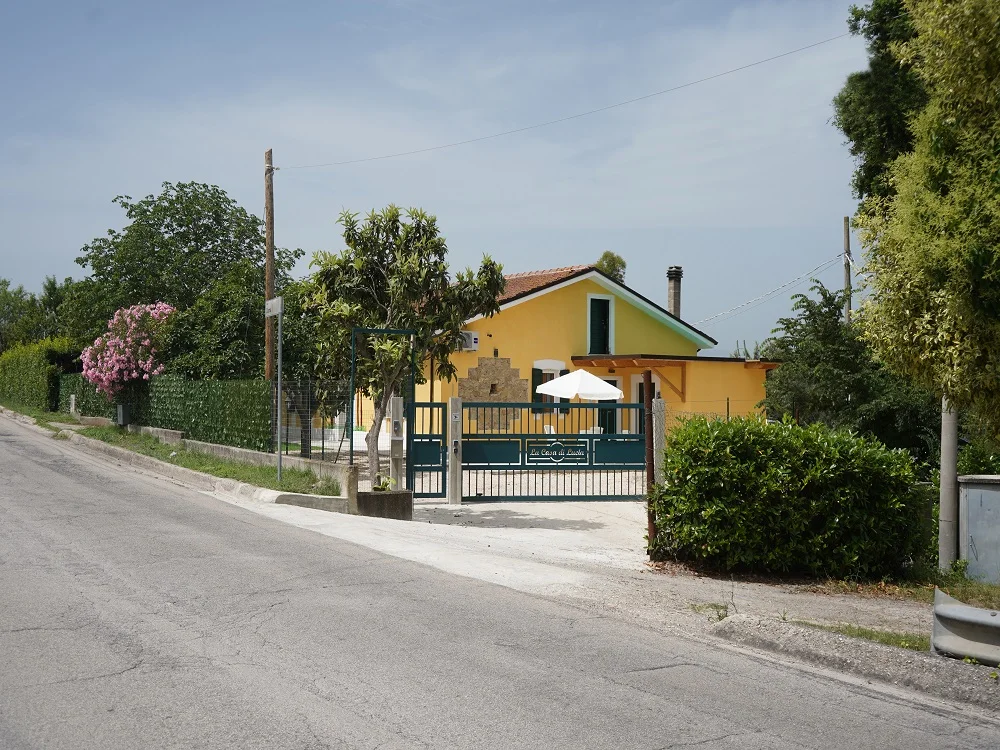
pixel 124 416
pixel 979 526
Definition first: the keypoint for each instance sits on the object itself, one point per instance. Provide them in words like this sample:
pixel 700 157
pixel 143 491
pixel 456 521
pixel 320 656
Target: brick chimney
pixel 674 274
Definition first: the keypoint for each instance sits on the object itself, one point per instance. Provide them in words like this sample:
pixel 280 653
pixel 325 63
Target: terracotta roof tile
pixel 527 281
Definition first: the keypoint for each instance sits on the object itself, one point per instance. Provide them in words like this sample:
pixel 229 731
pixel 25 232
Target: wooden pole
pixel 847 269
pixel 647 397
pixel 268 263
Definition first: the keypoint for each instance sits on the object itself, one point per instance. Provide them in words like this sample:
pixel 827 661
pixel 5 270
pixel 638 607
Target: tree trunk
pixel 371 440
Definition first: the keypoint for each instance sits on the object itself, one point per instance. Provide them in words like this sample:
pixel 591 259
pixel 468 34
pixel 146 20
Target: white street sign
pixel 274 307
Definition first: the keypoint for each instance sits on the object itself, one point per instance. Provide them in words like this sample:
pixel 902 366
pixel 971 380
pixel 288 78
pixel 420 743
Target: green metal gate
pixel 539 451
pixel 426 449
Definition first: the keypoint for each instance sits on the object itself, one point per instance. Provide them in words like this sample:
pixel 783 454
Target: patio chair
pixel 549 429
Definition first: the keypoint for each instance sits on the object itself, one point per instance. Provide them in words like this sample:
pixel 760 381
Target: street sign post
pixel 274 308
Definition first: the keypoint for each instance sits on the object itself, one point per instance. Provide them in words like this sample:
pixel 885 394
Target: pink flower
pixel 120 355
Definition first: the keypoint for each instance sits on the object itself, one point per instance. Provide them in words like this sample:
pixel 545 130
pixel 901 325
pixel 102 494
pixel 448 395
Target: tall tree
pixel 613 265
pixel 874 108
pixel 393 274
pixel 52 296
pixel 828 375
pixel 196 249
pixel 174 248
pixel 933 251
pixel 22 318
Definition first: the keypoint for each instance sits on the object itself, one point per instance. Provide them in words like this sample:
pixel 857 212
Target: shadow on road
pixel 499 518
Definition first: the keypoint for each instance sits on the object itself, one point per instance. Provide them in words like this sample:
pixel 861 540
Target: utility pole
pixel 847 269
pixel 269 264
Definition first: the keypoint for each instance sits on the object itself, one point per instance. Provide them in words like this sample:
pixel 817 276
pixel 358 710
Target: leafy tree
pixel 197 250
pixel 22 319
pixel 175 248
pixel 221 336
pixel 933 251
pixel 613 265
pixel 874 108
pixel 393 274
pixel 52 296
pixel 828 375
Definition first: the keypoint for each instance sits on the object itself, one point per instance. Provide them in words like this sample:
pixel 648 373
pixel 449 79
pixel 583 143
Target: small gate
pixel 543 451
pixel 426 471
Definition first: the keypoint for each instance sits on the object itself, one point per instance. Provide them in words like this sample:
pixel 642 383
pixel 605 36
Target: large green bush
pixel 29 373
pixel 749 496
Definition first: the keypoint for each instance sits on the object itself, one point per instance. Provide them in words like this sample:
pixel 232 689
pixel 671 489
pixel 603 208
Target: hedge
pixel 226 412
pixel 29 373
pixel 749 496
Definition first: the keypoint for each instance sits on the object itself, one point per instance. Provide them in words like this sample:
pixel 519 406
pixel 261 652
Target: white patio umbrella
pixel 582 384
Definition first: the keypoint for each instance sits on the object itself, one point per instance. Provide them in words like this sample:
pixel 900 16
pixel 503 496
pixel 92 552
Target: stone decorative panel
pixel 494 380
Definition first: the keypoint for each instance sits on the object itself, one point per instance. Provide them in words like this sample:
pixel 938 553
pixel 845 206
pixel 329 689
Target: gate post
pixel 659 437
pixel 397 436
pixel 454 449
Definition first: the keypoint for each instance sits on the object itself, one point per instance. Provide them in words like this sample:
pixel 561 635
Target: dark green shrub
pixel 749 496
pixel 29 373
pixel 979 457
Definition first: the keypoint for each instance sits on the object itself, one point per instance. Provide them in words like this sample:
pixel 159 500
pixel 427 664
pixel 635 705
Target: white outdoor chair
pixel 549 429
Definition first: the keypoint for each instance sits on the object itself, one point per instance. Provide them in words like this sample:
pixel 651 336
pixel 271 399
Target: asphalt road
pixel 138 614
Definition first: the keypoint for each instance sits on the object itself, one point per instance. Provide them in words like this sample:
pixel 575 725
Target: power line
pixel 569 117
pixel 765 301
pixel 765 297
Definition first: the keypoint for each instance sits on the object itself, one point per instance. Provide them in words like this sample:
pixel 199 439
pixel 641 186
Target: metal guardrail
pixel 960 630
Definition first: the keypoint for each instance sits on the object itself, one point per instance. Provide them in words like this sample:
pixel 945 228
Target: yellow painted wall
pixel 554 326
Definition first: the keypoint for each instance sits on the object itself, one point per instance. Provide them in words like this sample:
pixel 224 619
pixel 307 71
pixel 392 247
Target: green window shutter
pixel 564 409
pixel 536 380
pixel 600 326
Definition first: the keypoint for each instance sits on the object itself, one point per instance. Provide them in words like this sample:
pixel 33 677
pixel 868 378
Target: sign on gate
pixel 533 451
pixel 547 451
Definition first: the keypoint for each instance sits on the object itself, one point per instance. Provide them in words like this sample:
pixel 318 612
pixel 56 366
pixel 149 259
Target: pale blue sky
pixel 741 180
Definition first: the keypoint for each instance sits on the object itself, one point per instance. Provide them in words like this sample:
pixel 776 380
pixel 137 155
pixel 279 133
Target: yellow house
pixel 555 321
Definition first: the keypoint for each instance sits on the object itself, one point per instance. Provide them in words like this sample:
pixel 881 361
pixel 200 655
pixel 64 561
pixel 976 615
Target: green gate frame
pixel 533 452
pixel 435 457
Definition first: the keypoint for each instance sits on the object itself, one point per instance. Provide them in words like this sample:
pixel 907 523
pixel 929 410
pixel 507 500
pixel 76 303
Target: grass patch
pixel 42 417
pixel 911 641
pixel 715 611
pixel 292 480
pixel 919 587
pixel 966 590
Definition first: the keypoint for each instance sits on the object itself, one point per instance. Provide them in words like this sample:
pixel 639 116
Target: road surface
pixel 135 613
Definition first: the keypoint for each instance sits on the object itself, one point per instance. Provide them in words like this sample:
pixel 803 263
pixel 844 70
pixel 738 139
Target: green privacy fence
pixel 227 412
pixel 88 400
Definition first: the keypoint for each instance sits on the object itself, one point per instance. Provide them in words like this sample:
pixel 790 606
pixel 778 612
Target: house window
pixel 547 377
pixel 599 324
pixel 539 376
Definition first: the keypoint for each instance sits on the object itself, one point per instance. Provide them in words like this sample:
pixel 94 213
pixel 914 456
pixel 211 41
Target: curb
pixel 922 671
pixel 206 482
pixel 29 422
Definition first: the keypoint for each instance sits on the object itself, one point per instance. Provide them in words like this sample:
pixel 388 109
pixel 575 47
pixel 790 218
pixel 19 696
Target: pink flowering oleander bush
pixel 127 353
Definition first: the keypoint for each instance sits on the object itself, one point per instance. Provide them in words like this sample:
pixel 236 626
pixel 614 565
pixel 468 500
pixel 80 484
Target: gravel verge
pixel 929 673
